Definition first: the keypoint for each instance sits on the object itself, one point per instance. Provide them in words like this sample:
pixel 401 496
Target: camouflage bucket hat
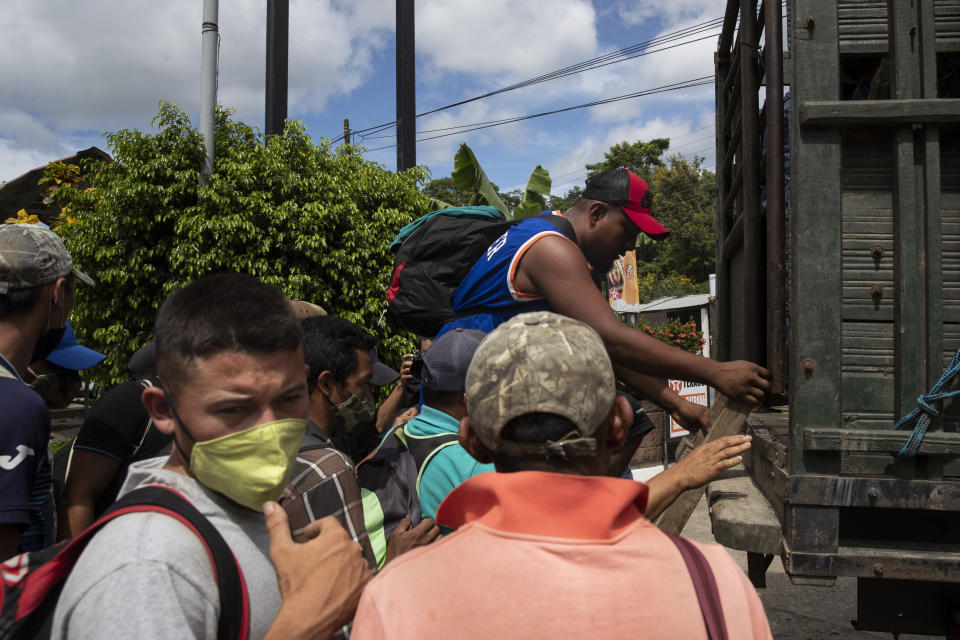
pixel 32 255
pixel 540 362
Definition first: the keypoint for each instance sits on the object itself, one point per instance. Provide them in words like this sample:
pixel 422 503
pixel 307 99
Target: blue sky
pixel 85 68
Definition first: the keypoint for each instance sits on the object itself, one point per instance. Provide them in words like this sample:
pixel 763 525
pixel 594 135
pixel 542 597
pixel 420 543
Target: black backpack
pixel 32 581
pixel 392 477
pixel 434 255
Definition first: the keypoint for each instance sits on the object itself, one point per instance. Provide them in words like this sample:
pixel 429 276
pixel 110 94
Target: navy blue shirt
pixel 26 494
pixel 490 283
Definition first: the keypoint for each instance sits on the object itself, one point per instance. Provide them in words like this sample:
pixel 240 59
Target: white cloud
pixel 101 65
pixel 636 13
pixel 569 170
pixel 511 38
pixel 16 160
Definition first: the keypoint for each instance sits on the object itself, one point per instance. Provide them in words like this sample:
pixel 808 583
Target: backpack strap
pixel 234 620
pixel 708 596
pixel 424 448
pixel 563 225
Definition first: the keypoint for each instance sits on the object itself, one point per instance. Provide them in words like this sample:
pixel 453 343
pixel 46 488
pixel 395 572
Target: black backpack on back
pixel 434 255
pixel 390 478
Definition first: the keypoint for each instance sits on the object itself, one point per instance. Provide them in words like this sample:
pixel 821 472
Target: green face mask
pixel 251 466
pixel 353 413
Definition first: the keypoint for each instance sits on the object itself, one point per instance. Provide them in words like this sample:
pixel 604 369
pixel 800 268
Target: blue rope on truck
pixel 923 413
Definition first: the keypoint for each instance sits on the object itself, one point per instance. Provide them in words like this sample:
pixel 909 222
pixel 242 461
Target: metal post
pixel 208 81
pixel 278 27
pixel 406 87
pixel 754 316
pixel 776 236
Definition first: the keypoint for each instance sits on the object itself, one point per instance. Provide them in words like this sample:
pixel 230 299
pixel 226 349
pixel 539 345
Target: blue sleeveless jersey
pixel 489 286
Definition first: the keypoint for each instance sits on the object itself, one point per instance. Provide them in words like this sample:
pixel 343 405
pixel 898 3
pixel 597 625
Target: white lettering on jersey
pixel 496 246
pixel 23 451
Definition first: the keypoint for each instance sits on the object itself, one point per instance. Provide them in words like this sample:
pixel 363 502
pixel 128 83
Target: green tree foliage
pixel 312 220
pixel 642 158
pixel 684 201
pixel 445 190
pixel 564 202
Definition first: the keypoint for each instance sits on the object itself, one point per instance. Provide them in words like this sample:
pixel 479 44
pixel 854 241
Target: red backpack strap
pixel 234 620
pixel 705 585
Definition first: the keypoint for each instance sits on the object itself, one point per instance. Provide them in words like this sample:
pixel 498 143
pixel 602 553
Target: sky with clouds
pixel 74 70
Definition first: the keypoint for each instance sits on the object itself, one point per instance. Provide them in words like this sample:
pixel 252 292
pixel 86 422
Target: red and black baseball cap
pixel 621 188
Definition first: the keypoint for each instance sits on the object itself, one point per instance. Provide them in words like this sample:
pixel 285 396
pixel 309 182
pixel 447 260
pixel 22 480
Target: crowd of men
pixel 515 523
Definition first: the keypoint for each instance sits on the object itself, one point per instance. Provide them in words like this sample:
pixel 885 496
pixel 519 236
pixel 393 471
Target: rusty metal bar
pixel 725 105
pixel 733 111
pixel 732 76
pixel 734 144
pixel 734 240
pixel 732 194
pixel 729 24
pixel 754 317
pixel 776 305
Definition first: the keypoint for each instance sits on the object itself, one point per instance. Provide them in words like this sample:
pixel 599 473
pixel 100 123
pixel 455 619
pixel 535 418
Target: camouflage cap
pixel 540 362
pixel 32 255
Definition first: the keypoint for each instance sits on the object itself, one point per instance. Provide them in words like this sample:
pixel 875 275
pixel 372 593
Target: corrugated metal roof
pixel 669 303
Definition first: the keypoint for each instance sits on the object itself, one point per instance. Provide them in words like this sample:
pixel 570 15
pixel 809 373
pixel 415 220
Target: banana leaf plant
pixel 469 176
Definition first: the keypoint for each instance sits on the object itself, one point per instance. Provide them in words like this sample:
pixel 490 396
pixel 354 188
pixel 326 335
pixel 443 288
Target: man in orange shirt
pixel 548 546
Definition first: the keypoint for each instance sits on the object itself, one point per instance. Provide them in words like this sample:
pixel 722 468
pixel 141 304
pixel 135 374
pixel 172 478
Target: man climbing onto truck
pixel 546 264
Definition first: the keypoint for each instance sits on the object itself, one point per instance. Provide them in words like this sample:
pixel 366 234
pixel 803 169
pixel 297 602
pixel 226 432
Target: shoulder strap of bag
pixel 234 620
pixel 705 585
pixel 563 225
pixel 424 448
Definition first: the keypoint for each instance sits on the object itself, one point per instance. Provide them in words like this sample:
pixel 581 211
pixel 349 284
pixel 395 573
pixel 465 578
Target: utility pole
pixel 406 87
pixel 346 131
pixel 278 28
pixel 208 83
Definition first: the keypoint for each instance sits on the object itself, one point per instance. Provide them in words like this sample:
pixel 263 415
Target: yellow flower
pixel 24 218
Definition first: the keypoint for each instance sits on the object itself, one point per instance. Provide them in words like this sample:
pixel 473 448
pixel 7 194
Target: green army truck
pixel 838 268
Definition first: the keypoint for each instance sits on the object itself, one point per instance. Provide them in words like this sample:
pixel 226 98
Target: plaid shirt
pixel 324 483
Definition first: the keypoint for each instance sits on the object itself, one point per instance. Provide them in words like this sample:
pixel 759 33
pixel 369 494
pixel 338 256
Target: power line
pixel 686 84
pixel 621 55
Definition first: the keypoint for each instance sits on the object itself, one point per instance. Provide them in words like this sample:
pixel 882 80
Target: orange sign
pixel 631 293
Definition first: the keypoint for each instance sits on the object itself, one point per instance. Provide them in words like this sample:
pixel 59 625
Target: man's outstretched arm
pixel 690 416
pixel 556 269
pixel 700 466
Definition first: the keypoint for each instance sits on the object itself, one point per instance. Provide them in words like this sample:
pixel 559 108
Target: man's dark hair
pixel 330 344
pixel 537 428
pixel 20 301
pixel 224 312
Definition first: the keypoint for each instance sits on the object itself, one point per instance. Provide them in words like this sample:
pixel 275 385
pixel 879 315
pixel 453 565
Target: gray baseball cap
pixel 446 362
pixel 540 362
pixel 32 255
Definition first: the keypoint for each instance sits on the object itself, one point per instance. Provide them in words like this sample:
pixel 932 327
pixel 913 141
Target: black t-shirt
pixel 118 426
